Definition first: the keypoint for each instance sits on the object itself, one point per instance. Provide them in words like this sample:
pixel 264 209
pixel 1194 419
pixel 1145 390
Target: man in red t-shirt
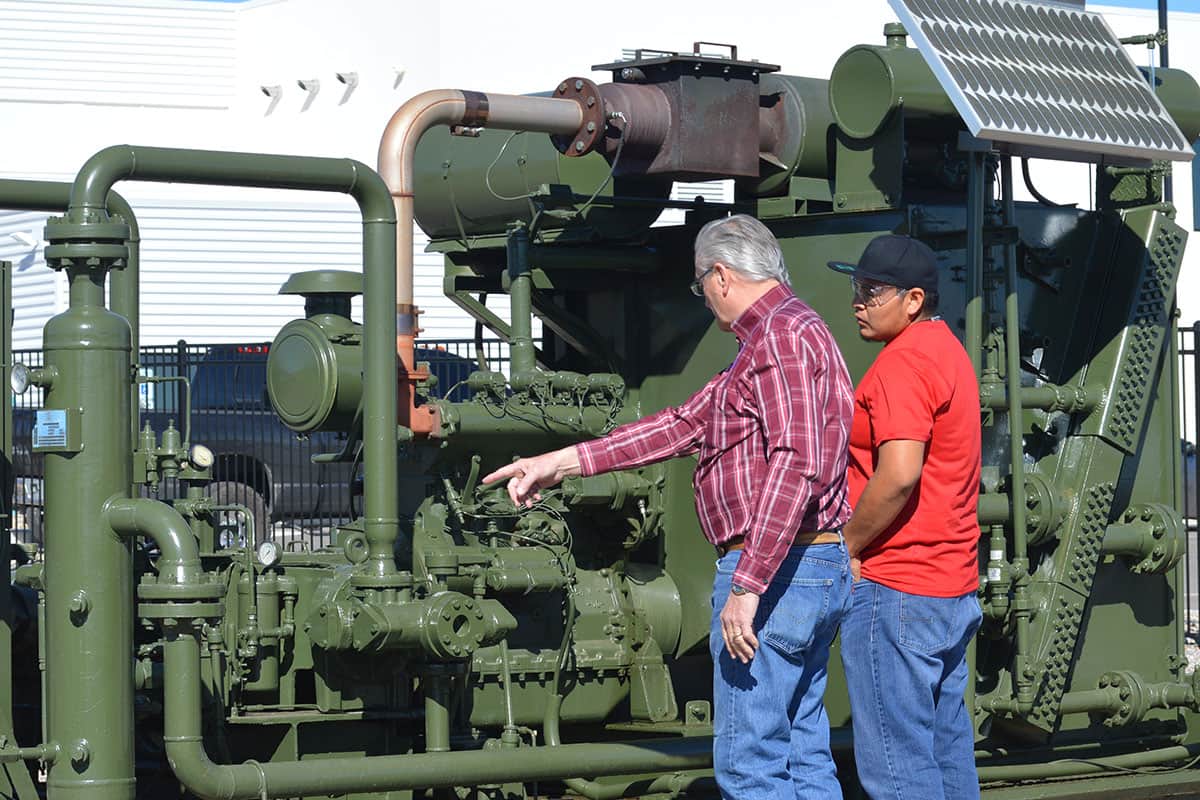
pixel 914 534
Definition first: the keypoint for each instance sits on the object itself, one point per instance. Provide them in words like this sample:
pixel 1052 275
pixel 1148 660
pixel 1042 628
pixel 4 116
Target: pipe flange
pixel 64 229
pixel 1129 698
pixel 402 579
pixel 160 611
pixel 587 94
pixel 1165 537
pixel 180 592
pixel 96 245
pixel 455 625
pixel 1044 508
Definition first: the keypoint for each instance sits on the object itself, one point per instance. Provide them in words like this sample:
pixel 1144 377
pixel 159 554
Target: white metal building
pixel 263 75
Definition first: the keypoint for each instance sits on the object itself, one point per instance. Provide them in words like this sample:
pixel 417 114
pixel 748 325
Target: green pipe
pixel 123 294
pixel 1069 767
pixel 977 167
pixel 1020 533
pixel 1046 397
pixel 247 781
pixel 437 711
pixel 179 559
pixel 42 669
pixel 1012 351
pixel 1127 540
pixel 520 292
pixel 672 785
pixel 123 162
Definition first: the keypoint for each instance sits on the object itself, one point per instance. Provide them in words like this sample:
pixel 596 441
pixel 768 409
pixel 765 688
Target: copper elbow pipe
pixel 397 151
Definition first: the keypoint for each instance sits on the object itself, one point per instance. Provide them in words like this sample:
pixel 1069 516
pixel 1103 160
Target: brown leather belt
pixel 802 539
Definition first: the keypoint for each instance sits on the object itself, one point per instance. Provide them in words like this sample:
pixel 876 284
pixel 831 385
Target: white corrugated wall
pixel 38 293
pixel 179 55
pixel 211 268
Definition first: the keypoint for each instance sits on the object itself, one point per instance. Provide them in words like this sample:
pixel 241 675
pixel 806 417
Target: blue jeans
pixel 905 661
pixel 771 735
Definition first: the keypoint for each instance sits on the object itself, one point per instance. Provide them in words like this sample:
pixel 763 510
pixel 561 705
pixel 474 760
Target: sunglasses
pixel 869 294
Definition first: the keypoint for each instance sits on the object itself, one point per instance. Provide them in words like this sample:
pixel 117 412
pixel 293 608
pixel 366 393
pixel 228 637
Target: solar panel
pixel 1046 74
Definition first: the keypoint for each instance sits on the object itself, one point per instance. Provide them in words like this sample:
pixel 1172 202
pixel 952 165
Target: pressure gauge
pixel 200 456
pixel 268 554
pixel 18 379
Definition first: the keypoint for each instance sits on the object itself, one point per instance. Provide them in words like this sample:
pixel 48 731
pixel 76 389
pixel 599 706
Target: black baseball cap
pixel 900 261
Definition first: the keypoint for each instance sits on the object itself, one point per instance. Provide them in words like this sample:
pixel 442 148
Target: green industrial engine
pixel 449 644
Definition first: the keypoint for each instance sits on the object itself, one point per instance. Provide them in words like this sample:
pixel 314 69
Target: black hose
pixel 1041 198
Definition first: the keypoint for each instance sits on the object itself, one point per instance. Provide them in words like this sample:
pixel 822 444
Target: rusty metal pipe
pixel 397 152
pixel 398 147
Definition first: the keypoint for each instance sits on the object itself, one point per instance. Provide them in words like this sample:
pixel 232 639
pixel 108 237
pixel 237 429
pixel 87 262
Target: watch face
pixel 737 589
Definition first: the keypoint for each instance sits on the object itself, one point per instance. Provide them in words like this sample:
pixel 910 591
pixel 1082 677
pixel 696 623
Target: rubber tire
pixel 234 492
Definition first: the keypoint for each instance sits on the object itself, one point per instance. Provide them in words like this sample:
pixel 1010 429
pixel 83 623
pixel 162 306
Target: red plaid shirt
pixel 771 432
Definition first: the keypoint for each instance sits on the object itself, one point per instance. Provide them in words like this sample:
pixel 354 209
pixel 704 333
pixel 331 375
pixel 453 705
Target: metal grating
pixel 1042 74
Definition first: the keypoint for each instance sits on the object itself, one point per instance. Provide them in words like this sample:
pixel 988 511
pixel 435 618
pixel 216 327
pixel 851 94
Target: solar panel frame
pixel 1043 76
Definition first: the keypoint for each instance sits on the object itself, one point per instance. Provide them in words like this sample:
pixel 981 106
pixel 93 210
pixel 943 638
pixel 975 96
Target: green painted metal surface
pixel 447 639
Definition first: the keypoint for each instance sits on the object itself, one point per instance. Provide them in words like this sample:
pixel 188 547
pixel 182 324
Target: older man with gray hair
pixel 770 432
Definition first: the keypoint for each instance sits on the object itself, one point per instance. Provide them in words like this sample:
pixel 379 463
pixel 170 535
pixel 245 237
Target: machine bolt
pixel 446 615
pixel 591 101
pixel 579 147
pixel 456 605
pixel 578 85
pixel 1124 711
pixel 1125 693
pixel 445 638
pixel 80 605
pixel 81 753
pixel 562 87
pixel 374 630
pixel 591 126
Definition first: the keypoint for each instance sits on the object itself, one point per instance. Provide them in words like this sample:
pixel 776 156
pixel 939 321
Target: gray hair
pixel 742 243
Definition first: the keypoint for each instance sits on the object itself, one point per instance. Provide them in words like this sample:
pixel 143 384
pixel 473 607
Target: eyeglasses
pixel 868 294
pixel 697 286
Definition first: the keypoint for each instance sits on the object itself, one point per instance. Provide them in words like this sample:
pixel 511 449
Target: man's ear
pixel 722 277
pixel 914 298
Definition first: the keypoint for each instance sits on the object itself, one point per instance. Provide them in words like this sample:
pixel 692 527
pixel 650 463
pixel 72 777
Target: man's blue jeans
pixel 905 661
pixel 771 733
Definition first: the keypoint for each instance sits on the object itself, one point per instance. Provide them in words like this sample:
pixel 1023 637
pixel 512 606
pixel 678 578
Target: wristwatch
pixel 740 590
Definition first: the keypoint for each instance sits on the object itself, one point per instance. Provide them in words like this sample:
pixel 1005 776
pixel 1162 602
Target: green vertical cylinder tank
pixel 84 433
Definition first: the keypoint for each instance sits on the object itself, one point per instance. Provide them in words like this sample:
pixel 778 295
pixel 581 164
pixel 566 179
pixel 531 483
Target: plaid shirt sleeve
pixel 671 432
pixel 784 384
